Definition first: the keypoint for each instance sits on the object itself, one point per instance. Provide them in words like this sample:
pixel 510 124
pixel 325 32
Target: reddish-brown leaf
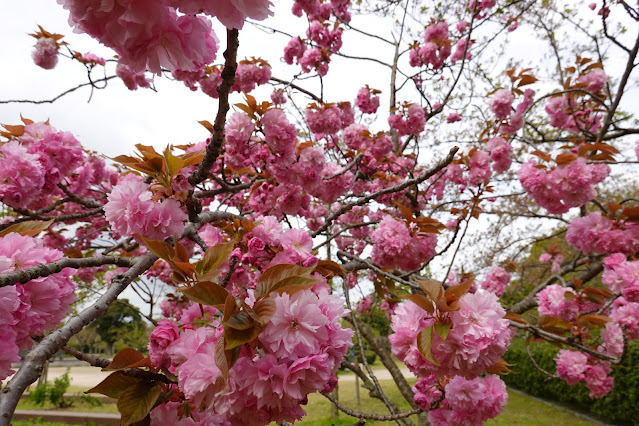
pixel 124 359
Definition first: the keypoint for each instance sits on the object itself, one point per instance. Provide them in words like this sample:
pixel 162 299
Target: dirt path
pixel 87 377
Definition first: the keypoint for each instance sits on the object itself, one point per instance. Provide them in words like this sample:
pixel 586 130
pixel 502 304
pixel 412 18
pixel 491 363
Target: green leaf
pixel 235 338
pixel 442 330
pixel 137 401
pixel 28 228
pixel 207 293
pixel 273 275
pixel 424 344
pixel 114 385
pixel 173 164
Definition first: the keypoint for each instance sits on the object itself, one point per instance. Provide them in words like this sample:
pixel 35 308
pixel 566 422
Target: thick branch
pixel 214 147
pixel 551 337
pixel 25 275
pixel 103 362
pixel 35 359
pixel 381 346
pixel 630 65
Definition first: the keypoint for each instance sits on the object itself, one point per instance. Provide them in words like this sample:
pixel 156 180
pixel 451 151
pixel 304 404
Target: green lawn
pixel 78 405
pixel 521 410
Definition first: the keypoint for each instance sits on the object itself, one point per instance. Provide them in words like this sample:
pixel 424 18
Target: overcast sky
pixel 117 118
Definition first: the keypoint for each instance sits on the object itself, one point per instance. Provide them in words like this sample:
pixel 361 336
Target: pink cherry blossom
pixel 501 103
pixel 45 54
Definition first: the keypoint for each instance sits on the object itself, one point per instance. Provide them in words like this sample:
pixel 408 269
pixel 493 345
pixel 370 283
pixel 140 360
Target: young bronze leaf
pixel 424 343
pixel 224 359
pixel 124 359
pixel 221 359
pixel 207 293
pixel 265 309
pixel 593 320
pixel 515 317
pixel 159 248
pixel 328 269
pixel 239 321
pixel 230 307
pixel 293 284
pixel 28 228
pixel 421 301
pixel 214 257
pixel 432 288
pixel 114 385
pixel 454 293
pixel 144 422
pixel 277 273
pixel 136 401
pixel 145 362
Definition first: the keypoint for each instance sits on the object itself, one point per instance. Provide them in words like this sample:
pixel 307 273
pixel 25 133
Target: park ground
pixel 520 410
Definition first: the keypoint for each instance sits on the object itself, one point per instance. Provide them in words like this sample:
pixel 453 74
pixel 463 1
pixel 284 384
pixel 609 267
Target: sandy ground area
pixel 80 376
pixel 90 376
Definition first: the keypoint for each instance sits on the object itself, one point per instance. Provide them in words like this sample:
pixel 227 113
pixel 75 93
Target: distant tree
pixel 121 323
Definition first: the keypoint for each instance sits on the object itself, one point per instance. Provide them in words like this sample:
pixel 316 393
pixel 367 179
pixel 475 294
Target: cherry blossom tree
pixel 301 215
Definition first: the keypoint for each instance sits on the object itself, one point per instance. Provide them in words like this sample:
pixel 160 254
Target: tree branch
pixel 23 276
pixel 35 359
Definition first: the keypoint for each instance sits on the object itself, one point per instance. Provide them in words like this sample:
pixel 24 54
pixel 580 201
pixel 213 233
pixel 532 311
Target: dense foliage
pixel 305 207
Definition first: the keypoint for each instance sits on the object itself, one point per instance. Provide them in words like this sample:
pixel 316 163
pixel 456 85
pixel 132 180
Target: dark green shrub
pixel 621 406
pixel 53 392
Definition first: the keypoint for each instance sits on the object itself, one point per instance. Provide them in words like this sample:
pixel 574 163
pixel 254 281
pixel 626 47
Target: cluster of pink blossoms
pixel 396 245
pixel 575 367
pixel 130 210
pixel 501 103
pixel 563 187
pixel 131 79
pixel 554 302
pixel 500 151
pixel 328 119
pixel 470 402
pixel 412 124
pixel 299 353
pixel 567 113
pixel 599 234
pixel 324 37
pixel 299 173
pixel 622 276
pixel 496 281
pixel 27 310
pixel 366 102
pixel 436 48
pixel 147 35
pixel 45 54
pixel 33 165
pixel 478 337
pixel 251 73
pixel 555 260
